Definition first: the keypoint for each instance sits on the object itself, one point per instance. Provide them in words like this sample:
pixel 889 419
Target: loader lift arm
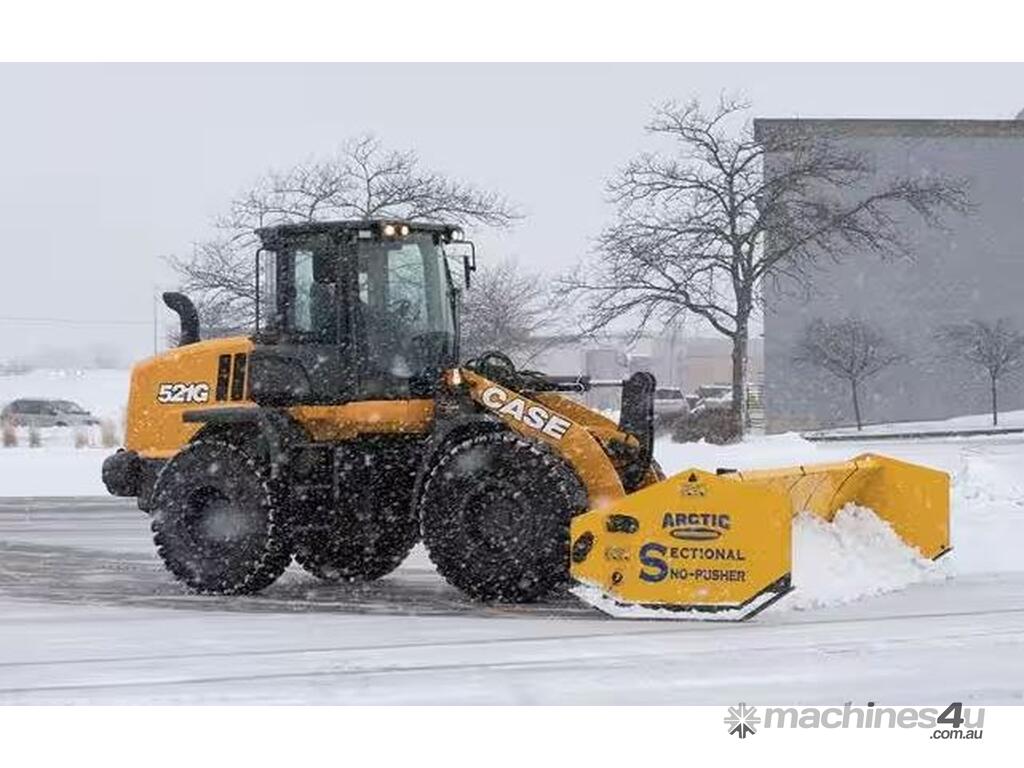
pixel 636 413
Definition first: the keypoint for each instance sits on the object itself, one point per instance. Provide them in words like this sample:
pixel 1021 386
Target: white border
pixel 460 30
pixel 484 737
pixel 524 30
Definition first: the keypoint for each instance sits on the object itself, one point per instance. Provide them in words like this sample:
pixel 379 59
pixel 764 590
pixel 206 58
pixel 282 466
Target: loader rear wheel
pixel 216 523
pixel 495 514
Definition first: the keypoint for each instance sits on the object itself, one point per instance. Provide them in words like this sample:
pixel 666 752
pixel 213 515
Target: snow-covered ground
pixel 87 613
pixel 976 421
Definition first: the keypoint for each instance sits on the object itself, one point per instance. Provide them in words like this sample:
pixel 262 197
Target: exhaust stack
pixel 187 314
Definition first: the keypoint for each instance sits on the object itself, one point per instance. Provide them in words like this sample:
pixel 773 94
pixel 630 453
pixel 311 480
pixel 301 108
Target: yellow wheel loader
pixel 344 430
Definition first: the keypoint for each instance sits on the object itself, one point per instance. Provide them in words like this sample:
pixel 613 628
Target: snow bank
pixel 755 452
pixel 1008 419
pixel 988 514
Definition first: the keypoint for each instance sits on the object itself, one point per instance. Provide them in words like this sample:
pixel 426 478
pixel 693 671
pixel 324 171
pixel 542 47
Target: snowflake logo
pixel 742 720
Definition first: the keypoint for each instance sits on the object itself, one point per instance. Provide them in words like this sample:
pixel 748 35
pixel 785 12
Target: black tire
pixel 494 514
pixel 354 545
pixel 216 523
pixel 333 549
pixel 372 526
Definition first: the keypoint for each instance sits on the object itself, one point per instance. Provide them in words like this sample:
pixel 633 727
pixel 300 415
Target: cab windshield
pixel 404 306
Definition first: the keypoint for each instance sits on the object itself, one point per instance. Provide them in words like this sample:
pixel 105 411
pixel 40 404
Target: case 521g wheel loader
pixel 345 430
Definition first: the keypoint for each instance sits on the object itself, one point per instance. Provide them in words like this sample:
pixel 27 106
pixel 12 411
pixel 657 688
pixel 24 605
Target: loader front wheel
pixel 216 524
pixel 495 514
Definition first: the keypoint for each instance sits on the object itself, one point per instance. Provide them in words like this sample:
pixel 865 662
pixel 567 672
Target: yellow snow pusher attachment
pixel 718 546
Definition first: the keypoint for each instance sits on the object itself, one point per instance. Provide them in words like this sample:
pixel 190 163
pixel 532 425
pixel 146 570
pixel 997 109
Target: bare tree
pixel 363 180
pixel 997 348
pixel 698 232
pixel 508 309
pixel 851 350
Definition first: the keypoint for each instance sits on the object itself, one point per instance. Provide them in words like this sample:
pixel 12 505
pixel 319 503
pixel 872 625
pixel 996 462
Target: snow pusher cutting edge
pixel 718 546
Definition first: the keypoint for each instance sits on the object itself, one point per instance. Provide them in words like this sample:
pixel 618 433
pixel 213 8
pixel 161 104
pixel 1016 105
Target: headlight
pixel 388 230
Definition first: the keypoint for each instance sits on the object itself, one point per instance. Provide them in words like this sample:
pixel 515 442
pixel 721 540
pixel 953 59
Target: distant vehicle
pixel 669 402
pixel 713 397
pixel 47 413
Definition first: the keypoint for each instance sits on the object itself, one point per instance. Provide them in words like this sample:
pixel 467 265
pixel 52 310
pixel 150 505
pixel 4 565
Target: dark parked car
pixel 47 413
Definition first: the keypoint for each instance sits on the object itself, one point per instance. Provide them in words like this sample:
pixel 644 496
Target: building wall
pixel 974 268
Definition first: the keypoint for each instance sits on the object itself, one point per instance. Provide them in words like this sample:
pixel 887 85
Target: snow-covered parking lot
pixel 88 615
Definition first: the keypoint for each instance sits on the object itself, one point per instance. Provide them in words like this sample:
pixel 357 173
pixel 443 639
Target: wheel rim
pixel 491 521
pixel 218 525
pixel 497 521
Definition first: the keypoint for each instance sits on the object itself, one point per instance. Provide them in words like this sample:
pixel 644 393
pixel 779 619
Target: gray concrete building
pixel 971 269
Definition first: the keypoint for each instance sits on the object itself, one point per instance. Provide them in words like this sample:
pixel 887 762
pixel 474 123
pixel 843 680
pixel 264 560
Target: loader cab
pixel 353 311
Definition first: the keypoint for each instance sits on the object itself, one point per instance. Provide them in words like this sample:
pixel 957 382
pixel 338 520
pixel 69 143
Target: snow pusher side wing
pixel 695 545
pixel 913 499
pixel 718 546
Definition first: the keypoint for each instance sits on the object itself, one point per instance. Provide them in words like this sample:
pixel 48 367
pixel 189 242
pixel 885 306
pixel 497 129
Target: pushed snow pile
pixel 856 555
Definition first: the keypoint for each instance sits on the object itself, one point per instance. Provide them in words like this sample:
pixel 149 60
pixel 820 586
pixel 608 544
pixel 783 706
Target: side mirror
pixel 468 259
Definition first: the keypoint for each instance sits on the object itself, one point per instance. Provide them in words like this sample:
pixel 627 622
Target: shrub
pixel 81 438
pixel 35 440
pixel 666 425
pixel 715 425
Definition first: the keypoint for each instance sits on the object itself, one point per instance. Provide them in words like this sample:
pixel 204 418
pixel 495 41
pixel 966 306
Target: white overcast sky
pixel 105 168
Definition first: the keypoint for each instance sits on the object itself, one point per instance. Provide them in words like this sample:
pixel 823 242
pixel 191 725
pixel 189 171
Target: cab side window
pixel 314 307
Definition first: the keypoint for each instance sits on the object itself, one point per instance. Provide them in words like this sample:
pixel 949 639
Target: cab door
pixel 304 357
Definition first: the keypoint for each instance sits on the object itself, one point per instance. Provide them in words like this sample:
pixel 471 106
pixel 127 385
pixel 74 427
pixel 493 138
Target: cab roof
pixel 313 228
